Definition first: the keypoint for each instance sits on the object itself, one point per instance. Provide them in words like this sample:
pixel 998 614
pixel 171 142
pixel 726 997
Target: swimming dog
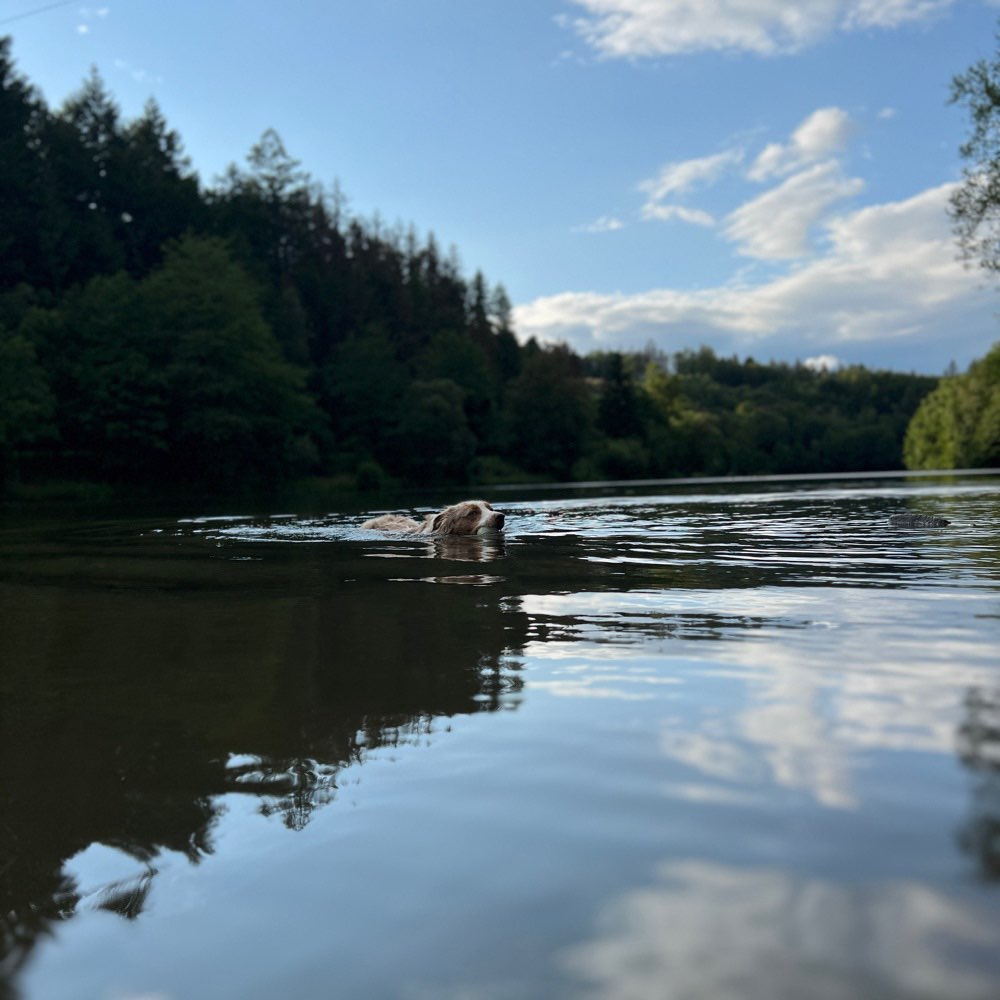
pixel 469 517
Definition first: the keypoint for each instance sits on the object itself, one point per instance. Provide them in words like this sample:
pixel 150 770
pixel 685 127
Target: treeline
pixel 157 331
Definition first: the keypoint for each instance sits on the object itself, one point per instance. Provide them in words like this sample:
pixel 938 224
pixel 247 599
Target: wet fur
pixel 464 518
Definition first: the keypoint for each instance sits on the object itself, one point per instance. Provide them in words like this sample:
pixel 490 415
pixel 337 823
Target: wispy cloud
pixel 88 16
pixel 777 224
pixel 137 75
pixel 641 28
pixel 605 224
pixel 679 178
pixel 888 276
pixel 670 213
pixel 822 134
pixel 891 13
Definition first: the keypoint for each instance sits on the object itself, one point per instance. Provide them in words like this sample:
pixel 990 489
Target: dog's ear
pixel 440 521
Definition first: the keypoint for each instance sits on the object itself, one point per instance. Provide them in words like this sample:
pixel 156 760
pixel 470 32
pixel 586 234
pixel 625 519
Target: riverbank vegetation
pixel 957 426
pixel 159 332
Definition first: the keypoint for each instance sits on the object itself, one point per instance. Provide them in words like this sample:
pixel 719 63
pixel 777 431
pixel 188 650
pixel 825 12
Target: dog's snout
pixel 499 519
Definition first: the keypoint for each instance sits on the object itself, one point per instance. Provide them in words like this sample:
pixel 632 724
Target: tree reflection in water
pixel 979 749
pixel 142 685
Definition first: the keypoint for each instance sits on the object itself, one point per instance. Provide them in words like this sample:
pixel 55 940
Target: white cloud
pixel 93 13
pixel 777 224
pixel 645 28
pixel 89 14
pixel 891 13
pixel 668 213
pixel 888 276
pixel 823 363
pixel 822 134
pixel 137 75
pixel 605 224
pixel 680 177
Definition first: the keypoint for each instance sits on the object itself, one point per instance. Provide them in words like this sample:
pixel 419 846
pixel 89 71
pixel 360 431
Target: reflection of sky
pixel 814 680
pixel 98 872
pixel 771 603
pixel 713 931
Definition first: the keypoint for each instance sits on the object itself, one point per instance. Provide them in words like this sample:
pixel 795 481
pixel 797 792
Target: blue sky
pixel 764 177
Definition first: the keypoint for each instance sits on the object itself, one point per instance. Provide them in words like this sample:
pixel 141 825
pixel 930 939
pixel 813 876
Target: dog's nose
pixel 499 519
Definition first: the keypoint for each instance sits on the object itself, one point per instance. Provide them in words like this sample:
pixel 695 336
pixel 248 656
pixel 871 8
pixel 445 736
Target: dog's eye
pixel 471 514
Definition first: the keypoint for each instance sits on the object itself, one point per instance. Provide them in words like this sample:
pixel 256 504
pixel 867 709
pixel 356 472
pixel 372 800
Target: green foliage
pixel 957 426
pixel 619 458
pixel 236 408
pixel 618 405
pixel 361 388
pixel 176 377
pixel 548 413
pixel 491 470
pixel 26 403
pixel 459 358
pixel 453 355
pixel 432 442
pixel 370 476
pixel 975 203
pixel 111 387
pixel 22 204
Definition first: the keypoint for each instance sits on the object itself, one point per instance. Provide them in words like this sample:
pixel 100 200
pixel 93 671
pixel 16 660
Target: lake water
pixel 679 743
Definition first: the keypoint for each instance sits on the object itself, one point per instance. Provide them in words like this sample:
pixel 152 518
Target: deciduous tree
pixel 975 204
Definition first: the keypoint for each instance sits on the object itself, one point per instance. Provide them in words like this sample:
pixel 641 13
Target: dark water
pixel 738 744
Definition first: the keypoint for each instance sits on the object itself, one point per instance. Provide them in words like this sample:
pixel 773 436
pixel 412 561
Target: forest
pixel 159 332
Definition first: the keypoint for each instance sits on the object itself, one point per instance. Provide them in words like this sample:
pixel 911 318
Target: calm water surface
pixel 733 744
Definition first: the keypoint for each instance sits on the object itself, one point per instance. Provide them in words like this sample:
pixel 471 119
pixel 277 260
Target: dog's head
pixel 467 518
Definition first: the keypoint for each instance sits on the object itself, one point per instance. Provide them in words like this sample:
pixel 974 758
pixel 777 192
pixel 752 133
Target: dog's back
pixel 397 522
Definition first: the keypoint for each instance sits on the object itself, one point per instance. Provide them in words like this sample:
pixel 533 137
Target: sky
pixel 767 178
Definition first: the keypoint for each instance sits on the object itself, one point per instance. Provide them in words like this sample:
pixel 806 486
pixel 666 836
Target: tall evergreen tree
pixel 85 142
pixel 618 409
pixel 27 223
pixel 157 197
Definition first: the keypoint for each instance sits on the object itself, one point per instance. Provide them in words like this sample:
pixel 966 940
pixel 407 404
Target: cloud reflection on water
pixel 712 930
pixel 814 680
